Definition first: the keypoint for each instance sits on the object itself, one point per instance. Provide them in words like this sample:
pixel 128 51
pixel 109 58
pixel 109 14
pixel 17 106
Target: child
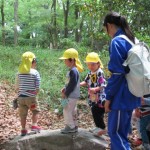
pixel 135 121
pixel 96 95
pixel 148 131
pixel 144 114
pixel 71 91
pixel 27 85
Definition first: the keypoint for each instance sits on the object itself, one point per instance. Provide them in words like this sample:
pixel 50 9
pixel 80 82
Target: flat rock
pixel 54 140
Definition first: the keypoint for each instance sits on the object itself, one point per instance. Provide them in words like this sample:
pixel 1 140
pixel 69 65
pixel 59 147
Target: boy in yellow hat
pixel 71 91
pixel 96 83
pixel 27 85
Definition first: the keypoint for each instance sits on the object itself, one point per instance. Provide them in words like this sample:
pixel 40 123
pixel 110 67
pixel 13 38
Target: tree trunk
pixel 16 22
pixel 77 29
pixel 55 26
pixel 3 23
pixel 66 11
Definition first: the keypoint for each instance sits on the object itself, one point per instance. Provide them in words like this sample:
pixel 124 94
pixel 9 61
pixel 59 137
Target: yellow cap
pixel 72 53
pixel 93 58
pixel 26 63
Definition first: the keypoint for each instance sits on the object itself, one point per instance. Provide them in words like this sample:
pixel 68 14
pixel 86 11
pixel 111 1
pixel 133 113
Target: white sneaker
pixel 67 129
pixel 92 130
pixel 99 132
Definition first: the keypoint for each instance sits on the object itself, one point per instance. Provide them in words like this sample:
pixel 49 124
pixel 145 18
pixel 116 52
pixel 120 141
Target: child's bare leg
pixel 34 119
pixel 23 122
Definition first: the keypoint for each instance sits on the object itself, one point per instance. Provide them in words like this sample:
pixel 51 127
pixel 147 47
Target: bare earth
pixel 48 119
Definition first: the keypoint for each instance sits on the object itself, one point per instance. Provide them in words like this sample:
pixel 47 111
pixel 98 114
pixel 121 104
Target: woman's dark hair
pixel 120 21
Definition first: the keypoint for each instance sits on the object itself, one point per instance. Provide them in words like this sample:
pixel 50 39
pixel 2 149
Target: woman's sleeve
pixel 117 55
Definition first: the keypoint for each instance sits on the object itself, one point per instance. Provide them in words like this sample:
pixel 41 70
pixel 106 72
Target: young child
pixel 143 113
pixel 96 95
pixel 27 85
pixel 71 91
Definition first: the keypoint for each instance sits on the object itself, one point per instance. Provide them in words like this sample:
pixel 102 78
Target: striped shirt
pixel 28 83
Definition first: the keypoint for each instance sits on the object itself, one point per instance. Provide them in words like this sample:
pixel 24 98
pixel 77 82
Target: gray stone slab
pixel 54 140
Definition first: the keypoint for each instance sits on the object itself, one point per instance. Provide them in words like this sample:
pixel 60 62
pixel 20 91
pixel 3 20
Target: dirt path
pixel 48 119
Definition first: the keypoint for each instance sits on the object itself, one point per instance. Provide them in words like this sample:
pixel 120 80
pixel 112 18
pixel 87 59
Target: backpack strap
pixel 137 42
pixel 126 38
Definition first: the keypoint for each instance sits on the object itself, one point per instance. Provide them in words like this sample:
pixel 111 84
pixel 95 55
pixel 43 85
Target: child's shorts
pixel 26 103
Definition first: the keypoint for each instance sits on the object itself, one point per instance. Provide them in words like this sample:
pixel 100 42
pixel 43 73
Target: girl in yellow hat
pixel 71 91
pixel 96 83
pixel 27 85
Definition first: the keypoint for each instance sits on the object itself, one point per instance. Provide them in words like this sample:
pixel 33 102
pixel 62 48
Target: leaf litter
pixel 48 119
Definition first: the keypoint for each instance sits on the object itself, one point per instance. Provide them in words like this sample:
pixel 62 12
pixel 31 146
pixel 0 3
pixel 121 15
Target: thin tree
pixel 16 22
pixel 3 22
pixel 55 25
pixel 66 12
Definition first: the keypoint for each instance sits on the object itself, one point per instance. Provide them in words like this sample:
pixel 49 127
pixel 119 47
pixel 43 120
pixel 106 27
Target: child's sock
pixel 34 124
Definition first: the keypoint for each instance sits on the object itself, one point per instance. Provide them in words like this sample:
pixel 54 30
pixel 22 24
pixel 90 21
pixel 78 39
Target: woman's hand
pixel 107 106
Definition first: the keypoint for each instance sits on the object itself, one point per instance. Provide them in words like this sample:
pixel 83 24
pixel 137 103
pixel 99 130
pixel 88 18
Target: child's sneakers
pixel 35 128
pixel 137 142
pixel 24 132
pixel 76 128
pixel 99 132
pixel 92 130
pixel 67 129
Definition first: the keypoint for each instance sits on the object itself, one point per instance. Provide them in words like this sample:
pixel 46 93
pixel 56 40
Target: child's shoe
pixel 24 132
pixel 137 142
pixel 99 132
pixel 92 130
pixel 76 128
pixel 35 128
pixel 67 129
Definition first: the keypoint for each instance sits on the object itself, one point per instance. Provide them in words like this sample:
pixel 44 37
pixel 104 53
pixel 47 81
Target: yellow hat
pixel 93 58
pixel 72 53
pixel 26 63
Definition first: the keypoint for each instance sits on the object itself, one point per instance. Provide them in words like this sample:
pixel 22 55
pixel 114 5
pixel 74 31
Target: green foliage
pixel 39 18
pixel 52 71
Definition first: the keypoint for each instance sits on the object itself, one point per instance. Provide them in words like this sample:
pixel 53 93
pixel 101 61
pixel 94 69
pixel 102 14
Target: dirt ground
pixel 48 119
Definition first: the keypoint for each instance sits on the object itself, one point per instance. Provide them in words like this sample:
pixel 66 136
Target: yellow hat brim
pixel 63 58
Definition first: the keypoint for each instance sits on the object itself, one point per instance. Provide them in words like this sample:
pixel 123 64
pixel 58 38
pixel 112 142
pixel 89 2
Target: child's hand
pixel 63 95
pixel 63 90
pixel 83 83
pixel 92 90
pixel 137 113
pixel 107 106
pixel 142 101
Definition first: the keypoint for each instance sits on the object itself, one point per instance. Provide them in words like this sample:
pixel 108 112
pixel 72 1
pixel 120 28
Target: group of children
pixel 94 81
pixel 28 83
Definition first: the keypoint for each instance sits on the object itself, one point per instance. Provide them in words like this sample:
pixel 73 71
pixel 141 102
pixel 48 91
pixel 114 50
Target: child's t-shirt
pixel 72 87
pixel 28 83
pixel 96 79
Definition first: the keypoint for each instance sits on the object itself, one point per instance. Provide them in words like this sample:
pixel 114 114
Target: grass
pixel 51 69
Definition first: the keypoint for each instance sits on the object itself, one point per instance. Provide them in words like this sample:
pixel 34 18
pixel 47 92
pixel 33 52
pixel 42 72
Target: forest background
pixel 48 27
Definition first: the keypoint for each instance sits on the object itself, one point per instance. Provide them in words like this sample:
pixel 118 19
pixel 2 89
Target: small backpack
pixel 138 60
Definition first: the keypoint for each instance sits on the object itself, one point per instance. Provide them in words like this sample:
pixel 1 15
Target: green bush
pixel 52 71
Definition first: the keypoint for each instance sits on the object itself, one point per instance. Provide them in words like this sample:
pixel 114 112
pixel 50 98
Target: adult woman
pixel 120 102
